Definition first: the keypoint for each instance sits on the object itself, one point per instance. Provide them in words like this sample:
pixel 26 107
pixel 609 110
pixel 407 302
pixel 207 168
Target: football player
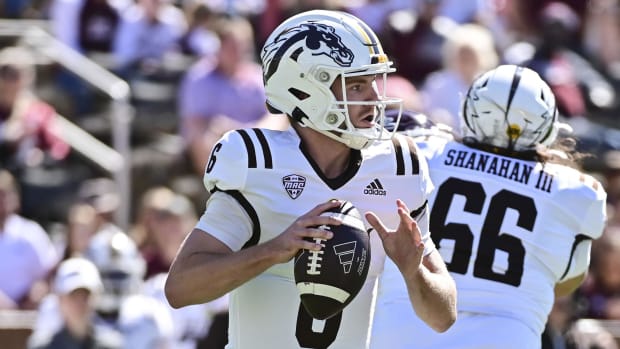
pixel 512 215
pixel 268 190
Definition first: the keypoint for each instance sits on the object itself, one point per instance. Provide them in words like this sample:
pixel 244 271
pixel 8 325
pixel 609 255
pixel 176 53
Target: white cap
pixel 75 273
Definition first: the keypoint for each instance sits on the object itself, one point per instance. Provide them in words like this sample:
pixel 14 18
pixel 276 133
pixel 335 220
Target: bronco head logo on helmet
pixel 320 39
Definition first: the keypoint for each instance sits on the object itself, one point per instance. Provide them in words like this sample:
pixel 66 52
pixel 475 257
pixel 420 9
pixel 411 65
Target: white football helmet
pixel 120 264
pixel 510 107
pixel 303 57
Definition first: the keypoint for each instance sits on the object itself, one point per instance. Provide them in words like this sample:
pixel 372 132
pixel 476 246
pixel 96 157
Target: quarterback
pixel 268 190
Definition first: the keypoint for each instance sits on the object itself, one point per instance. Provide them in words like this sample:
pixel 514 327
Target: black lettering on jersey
pixel 249 209
pixel 544 181
pixel 400 157
pixel 501 167
pixel 578 239
pixel 460 158
pixel 251 148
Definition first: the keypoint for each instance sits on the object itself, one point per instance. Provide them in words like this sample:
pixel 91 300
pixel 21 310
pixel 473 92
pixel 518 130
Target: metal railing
pixel 115 160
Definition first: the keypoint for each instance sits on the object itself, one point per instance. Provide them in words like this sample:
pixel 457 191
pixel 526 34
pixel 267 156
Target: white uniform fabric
pixel 509 230
pixel 273 183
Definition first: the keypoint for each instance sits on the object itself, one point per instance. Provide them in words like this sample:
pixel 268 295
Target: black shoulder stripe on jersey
pixel 250 147
pixel 418 212
pixel 415 165
pixel 247 206
pixel 578 239
pixel 400 161
pixel 266 151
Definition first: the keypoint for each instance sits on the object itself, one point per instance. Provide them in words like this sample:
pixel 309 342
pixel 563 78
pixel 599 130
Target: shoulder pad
pixel 586 196
pixel 233 155
pixel 406 153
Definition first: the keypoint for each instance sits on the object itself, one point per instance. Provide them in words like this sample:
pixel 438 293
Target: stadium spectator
pixel 165 218
pixel 87 26
pixel 560 59
pixel 143 321
pixel 195 324
pixel 81 225
pixel 76 286
pixel 28 134
pixel 601 290
pixel 149 33
pixel 565 331
pixel 414 38
pixel 458 11
pixel 90 28
pixel 601 28
pixel 27 255
pixel 199 39
pixel 221 96
pixel 468 52
pixel 375 13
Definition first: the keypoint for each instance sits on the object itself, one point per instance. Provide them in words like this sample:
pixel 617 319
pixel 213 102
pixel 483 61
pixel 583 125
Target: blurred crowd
pixel 193 63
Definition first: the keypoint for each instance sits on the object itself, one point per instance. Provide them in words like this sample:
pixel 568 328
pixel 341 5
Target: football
pixel 329 279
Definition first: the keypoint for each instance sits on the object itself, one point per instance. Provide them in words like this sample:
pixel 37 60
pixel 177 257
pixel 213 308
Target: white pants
pixel 397 327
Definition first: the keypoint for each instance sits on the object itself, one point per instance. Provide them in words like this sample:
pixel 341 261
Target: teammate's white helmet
pixel 510 107
pixel 303 57
pixel 120 264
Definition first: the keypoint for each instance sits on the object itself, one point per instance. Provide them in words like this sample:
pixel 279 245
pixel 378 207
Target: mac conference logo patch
pixel 294 185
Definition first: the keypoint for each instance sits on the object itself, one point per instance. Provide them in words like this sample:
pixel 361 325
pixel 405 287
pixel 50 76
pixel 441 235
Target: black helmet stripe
pixel 513 88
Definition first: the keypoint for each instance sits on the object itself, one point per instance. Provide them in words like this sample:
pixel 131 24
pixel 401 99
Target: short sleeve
pixel 580 260
pixel 226 220
pixel 227 168
pixel 596 214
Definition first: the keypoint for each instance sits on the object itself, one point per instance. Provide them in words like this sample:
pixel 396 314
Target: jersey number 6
pixel 491 236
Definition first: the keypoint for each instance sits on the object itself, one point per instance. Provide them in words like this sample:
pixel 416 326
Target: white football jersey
pixel 274 182
pixel 508 230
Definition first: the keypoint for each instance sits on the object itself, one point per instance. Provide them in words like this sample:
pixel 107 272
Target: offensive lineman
pixel 268 189
pixel 512 217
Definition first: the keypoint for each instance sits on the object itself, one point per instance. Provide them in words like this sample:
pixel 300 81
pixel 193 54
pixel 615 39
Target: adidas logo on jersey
pixel 375 188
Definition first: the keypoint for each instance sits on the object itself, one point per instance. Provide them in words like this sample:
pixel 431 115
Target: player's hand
pixel 285 246
pixel 403 245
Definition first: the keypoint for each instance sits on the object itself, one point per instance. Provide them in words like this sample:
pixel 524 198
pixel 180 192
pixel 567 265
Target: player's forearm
pixel 203 277
pixel 433 296
pixel 569 286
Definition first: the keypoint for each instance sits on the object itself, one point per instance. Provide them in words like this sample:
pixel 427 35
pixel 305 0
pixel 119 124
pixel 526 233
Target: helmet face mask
pixel 302 59
pixel 510 107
